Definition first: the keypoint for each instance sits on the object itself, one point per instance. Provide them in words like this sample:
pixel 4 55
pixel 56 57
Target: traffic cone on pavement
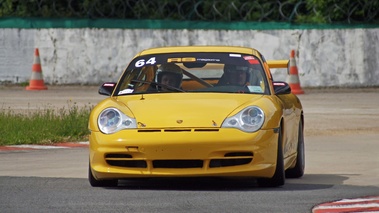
pixel 293 77
pixel 36 81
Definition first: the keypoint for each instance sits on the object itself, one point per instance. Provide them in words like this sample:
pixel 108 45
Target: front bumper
pixel 183 153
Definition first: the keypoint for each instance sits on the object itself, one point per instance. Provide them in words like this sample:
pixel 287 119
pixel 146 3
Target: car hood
pixel 179 110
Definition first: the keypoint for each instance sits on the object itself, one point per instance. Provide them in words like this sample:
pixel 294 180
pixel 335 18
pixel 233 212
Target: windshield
pixel 193 72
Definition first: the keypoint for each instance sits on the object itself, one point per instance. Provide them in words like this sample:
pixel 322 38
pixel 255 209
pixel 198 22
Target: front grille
pixel 178 164
pixel 229 159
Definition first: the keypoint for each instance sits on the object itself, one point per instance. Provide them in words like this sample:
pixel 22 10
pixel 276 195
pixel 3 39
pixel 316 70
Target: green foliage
pixel 341 11
pixel 317 18
pixel 44 126
pixel 300 11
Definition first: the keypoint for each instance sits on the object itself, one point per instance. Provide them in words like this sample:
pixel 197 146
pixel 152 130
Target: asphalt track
pixel 341 135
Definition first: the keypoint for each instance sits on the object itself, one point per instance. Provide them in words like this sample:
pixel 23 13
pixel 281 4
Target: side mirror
pixel 281 87
pixel 107 88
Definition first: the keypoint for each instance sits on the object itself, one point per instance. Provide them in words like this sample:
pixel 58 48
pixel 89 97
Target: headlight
pixel 249 119
pixel 112 120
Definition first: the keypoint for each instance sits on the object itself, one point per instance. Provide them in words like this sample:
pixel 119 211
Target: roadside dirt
pixel 341 111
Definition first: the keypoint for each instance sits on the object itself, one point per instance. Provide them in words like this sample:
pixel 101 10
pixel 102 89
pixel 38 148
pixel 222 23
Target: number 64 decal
pixel 142 62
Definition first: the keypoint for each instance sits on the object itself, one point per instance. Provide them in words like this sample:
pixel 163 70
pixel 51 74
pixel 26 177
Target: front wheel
pixel 298 170
pixel 100 183
pixel 279 178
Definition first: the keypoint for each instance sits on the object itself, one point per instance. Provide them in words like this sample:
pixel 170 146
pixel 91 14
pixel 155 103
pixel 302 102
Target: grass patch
pixel 45 126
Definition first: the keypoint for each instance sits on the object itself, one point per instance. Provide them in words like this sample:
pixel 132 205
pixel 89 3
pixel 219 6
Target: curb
pixel 362 204
pixel 39 147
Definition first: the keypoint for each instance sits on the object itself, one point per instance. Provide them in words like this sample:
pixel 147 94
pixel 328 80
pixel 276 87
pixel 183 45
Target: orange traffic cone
pixel 293 77
pixel 36 81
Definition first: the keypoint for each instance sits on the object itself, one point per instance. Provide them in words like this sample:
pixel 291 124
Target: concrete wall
pixel 344 57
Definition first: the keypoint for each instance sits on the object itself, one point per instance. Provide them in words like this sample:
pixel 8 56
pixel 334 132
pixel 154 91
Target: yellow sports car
pixel 197 111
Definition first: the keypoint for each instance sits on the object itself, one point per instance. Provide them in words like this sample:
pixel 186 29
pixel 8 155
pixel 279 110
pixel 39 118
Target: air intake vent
pixel 178 164
pixel 229 162
pixel 118 156
pixel 232 159
pixel 239 154
pixel 124 160
pixel 177 130
pixel 149 130
pixel 128 163
pixel 206 130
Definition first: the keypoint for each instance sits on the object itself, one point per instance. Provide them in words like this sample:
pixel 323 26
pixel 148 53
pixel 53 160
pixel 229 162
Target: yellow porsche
pixel 197 111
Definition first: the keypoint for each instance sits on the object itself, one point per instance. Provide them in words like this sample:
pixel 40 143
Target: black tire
pixel 100 183
pixel 279 177
pixel 298 170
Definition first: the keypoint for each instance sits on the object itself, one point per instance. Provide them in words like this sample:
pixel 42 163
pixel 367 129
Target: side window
pixel 147 74
pixel 126 81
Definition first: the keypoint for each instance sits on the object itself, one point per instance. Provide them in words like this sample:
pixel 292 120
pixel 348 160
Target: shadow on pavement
pixel 307 182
